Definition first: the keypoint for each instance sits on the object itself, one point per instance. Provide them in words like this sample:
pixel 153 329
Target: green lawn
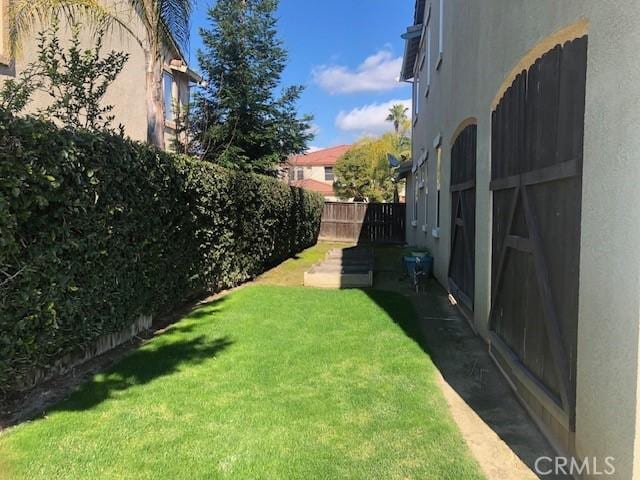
pixel 268 382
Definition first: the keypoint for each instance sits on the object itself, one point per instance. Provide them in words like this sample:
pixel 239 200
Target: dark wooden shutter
pixel 537 138
pixel 463 217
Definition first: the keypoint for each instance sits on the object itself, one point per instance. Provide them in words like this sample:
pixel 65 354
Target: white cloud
pixel 378 73
pixel 313 148
pixel 369 118
pixel 313 129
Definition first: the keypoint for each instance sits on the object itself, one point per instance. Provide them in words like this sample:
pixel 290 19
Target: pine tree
pixel 239 120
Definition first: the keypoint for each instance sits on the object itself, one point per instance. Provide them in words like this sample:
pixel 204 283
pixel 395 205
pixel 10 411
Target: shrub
pixel 364 174
pixel 74 79
pixel 96 230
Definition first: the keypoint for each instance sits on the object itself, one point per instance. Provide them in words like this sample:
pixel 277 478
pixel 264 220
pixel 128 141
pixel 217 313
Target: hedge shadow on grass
pixel 144 366
pixel 178 347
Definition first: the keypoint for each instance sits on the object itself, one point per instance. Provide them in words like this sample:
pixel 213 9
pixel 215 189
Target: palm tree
pixel 162 21
pixel 397 114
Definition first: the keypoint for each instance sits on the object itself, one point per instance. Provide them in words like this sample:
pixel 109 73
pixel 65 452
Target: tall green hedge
pixel 96 230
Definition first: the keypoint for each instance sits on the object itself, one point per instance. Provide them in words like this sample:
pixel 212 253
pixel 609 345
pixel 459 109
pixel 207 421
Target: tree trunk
pixel 155 103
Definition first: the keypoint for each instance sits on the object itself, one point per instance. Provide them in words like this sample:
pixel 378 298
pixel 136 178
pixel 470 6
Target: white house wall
pixel 483 42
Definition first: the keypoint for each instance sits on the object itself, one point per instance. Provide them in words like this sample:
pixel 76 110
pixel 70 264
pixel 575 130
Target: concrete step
pixel 342 268
pixel 364 262
pixel 323 267
pixel 355 252
pixel 332 279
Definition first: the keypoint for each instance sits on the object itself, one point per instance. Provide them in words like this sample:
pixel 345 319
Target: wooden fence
pixel 363 222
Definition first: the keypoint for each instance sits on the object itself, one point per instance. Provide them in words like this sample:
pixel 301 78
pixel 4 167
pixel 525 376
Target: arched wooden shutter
pixel 536 163
pixel 463 217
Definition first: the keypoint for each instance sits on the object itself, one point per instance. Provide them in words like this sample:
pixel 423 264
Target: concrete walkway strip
pixel 496 459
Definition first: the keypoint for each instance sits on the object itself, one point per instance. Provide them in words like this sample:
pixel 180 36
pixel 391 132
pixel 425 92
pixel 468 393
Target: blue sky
pixel 347 53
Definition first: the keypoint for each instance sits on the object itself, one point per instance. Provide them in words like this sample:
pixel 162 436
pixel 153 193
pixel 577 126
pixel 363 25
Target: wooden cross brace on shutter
pixel 459 228
pixel 533 245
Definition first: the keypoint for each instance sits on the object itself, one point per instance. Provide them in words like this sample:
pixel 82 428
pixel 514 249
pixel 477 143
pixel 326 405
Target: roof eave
pixel 404 169
pixel 195 77
pixel 182 67
pixel 419 9
pixel 412 38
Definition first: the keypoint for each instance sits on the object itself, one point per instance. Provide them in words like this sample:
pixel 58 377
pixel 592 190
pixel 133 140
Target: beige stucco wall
pixel 483 42
pixel 313 172
pixel 127 93
pixel 310 172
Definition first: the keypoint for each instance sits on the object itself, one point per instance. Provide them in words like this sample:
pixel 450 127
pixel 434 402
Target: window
pixel 167 83
pixel 426 193
pixel 328 174
pixel 427 51
pixel 426 209
pixel 416 97
pixel 438 173
pixel 428 47
pixel 299 173
pixel 4 36
pixel 440 34
pixel 415 199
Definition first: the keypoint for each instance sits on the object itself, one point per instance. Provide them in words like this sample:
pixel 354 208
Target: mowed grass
pixel 266 383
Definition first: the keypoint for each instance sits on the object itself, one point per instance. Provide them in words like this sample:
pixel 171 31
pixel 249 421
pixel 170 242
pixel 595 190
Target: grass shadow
pixel 401 315
pixel 175 347
pixel 461 356
pixel 142 367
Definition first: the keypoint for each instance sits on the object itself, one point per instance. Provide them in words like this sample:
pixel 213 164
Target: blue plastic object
pixel 426 264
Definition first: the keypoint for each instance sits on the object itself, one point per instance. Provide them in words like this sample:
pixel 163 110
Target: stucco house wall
pixel 309 170
pixel 314 172
pixel 127 93
pixel 482 44
pixel 313 178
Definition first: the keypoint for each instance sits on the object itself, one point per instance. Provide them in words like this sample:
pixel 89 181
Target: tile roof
pixel 326 156
pixel 325 189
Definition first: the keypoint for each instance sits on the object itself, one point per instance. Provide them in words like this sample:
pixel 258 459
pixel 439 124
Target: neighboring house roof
pixel 324 157
pixel 325 189
pixel 412 38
